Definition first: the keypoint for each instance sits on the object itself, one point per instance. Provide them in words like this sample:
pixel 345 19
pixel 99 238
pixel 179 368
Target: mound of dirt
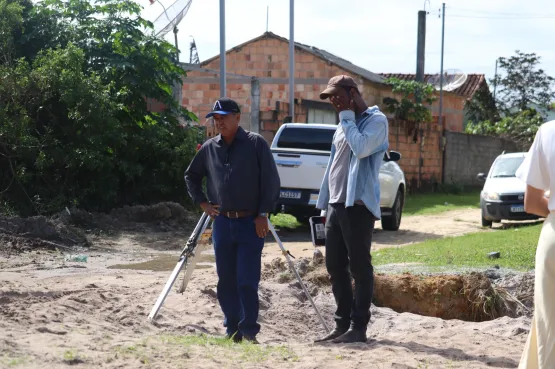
pixel 164 216
pixel 23 234
pixel 278 269
pixel 520 290
pixel 69 227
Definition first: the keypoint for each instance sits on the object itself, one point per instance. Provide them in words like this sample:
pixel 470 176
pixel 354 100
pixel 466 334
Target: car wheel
pixel 393 222
pixel 486 223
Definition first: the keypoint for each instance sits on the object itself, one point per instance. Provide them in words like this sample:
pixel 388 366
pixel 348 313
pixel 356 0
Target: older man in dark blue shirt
pixel 243 188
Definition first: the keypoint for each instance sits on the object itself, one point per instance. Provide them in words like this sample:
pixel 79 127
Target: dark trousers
pixel 348 239
pixel 238 252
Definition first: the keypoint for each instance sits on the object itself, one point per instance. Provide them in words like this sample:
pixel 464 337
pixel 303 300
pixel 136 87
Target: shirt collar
pixel 367 112
pixel 240 135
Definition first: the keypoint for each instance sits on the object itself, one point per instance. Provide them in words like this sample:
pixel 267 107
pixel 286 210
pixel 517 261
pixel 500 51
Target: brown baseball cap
pixel 337 82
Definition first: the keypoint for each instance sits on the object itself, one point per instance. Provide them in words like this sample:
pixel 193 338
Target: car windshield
pixel 308 139
pixel 506 167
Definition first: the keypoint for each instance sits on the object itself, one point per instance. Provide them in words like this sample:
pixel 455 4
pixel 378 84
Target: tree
pixel 520 128
pixel 523 83
pixel 481 107
pixel 524 93
pixel 75 128
pixel 415 97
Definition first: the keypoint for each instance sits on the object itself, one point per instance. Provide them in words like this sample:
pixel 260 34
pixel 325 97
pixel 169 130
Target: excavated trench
pixel 469 297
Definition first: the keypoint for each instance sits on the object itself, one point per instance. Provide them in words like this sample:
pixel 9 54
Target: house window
pixel 322 116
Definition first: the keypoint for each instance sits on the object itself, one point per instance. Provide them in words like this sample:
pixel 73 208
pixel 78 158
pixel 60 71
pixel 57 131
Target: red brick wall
pixel 401 140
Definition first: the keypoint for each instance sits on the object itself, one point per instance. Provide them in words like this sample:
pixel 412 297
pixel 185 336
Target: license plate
pixel 517 209
pixel 290 194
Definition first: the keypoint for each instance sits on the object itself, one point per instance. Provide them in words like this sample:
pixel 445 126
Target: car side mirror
pixel 481 176
pixel 392 156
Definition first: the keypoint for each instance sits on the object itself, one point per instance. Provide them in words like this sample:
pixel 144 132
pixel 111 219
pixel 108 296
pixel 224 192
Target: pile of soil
pixel 520 288
pixel 278 269
pixel 23 234
pixel 163 216
pixel 69 228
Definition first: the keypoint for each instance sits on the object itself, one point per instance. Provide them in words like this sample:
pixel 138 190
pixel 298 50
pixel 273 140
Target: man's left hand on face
pixel 341 104
pixel 261 223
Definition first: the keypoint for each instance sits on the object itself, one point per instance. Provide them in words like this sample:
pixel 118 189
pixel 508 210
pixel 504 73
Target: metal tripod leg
pixel 190 267
pixel 187 251
pixel 292 267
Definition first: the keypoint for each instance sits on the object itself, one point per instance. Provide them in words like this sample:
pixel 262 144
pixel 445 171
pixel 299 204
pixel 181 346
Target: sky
pixel 380 36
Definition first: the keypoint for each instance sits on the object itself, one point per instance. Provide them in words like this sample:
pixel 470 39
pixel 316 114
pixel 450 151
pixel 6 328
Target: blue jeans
pixel 238 252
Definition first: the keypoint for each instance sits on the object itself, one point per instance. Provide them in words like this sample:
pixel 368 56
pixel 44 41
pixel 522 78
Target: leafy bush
pixel 521 127
pixel 75 128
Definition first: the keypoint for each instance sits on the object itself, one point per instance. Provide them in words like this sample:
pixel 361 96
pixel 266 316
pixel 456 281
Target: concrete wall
pixel 467 155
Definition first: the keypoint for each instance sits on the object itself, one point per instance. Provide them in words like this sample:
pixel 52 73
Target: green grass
pixel 244 351
pixel 517 247
pixel 12 362
pixel 419 204
pixel 285 221
pixel 71 356
pixel 435 203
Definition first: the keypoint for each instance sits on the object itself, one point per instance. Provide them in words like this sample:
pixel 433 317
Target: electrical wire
pixel 484 14
pixel 477 11
pixel 502 18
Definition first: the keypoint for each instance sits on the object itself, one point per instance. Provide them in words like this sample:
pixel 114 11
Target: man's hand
pixel 210 209
pixel 341 104
pixel 261 223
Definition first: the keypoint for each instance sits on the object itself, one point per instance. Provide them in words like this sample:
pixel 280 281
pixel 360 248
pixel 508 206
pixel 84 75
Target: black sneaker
pixel 338 331
pixel 251 339
pixel 352 335
pixel 236 337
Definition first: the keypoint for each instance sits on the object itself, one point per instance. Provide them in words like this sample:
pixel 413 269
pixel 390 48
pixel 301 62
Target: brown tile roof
pixel 468 89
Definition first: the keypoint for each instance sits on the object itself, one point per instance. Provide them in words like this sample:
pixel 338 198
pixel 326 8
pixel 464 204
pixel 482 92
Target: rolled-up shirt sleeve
pixel 194 175
pixel 364 143
pixel 269 177
pixel 533 170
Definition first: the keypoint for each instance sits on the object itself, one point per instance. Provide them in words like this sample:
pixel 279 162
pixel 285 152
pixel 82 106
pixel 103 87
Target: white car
pixel 502 197
pixel 301 152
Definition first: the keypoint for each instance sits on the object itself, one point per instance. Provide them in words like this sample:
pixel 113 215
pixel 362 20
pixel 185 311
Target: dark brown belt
pixel 237 214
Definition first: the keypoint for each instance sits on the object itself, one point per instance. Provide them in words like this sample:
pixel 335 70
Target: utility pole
pixel 495 80
pixel 292 59
pixel 420 58
pixel 441 130
pixel 441 76
pixel 421 46
pixel 222 50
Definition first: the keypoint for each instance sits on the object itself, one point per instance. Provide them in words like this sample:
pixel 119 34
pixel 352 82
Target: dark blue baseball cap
pixel 224 106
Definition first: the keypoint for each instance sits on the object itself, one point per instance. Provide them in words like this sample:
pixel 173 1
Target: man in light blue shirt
pixel 350 197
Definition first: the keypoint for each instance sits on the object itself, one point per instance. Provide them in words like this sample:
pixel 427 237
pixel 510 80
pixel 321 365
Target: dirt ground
pixel 56 313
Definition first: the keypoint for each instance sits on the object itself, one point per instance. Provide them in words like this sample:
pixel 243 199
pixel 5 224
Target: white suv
pixel 502 197
pixel 301 152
